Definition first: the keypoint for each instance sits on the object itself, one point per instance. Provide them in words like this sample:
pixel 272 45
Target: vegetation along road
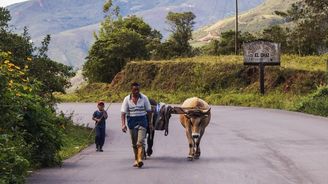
pixel 241 145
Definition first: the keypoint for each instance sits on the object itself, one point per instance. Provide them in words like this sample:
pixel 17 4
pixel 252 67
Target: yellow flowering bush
pixel 30 132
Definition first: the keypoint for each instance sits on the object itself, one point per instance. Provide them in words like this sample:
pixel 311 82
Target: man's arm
pixel 123 122
pixel 124 110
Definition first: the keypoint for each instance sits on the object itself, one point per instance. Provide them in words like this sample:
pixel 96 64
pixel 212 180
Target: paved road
pixel 240 146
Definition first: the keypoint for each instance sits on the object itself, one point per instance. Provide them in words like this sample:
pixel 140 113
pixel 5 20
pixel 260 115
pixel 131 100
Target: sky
pixel 4 3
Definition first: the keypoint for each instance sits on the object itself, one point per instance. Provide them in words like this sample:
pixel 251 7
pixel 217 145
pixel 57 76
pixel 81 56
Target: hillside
pixel 72 46
pixel 211 74
pixel 253 20
pixel 72 23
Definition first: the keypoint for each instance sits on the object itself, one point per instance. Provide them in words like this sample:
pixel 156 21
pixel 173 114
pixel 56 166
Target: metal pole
pixel 236 30
pixel 326 72
pixel 262 66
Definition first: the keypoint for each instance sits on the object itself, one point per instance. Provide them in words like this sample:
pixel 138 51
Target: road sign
pixel 261 53
pixel 264 52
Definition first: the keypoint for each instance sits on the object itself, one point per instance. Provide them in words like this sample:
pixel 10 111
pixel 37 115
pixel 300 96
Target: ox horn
pixel 206 111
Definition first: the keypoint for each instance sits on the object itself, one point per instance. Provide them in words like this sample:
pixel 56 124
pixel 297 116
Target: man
pixel 136 109
pixel 100 117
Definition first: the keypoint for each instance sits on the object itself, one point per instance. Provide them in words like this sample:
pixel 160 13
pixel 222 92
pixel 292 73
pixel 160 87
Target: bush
pixel 13 164
pixel 43 133
pixel 316 103
pixel 30 129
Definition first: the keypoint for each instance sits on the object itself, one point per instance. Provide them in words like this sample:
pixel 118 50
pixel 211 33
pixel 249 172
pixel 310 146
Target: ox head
pixel 196 118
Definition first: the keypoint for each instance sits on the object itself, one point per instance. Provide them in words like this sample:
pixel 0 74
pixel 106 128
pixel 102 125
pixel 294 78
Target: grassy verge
pixel 75 139
pixel 273 99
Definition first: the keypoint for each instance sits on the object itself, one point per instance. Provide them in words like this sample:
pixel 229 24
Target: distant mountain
pixel 253 20
pixel 72 22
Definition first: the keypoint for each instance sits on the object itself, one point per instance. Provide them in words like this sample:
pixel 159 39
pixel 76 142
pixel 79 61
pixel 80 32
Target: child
pixel 100 117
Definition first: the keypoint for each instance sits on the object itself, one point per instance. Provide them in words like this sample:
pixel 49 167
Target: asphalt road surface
pixel 240 146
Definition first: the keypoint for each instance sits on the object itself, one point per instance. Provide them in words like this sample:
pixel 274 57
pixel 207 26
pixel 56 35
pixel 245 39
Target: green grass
pixel 272 99
pixel 308 63
pixel 75 139
pixel 307 103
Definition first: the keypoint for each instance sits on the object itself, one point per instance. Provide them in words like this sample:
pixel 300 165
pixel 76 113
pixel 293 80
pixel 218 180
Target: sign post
pixel 261 53
pixel 262 88
pixel 327 72
pixel 236 29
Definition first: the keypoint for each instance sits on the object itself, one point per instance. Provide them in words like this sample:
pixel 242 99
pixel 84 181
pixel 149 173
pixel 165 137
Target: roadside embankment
pixel 298 85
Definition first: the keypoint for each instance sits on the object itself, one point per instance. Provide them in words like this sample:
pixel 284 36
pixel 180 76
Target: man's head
pixel 101 105
pixel 135 88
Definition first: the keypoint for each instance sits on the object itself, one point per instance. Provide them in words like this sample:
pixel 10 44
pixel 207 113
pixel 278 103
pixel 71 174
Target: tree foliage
pixel 277 34
pixel 4 18
pixel 226 44
pixel 52 75
pixel 310 35
pixel 119 41
pixel 181 27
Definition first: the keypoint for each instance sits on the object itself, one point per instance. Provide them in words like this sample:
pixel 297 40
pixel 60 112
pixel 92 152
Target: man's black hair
pixel 135 84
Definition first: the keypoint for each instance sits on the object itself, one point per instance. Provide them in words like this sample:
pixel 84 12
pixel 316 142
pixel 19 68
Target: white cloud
pixel 4 3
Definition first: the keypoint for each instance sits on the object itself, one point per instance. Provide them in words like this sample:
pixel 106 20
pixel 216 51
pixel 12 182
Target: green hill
pixel 72 46
pixel 253 20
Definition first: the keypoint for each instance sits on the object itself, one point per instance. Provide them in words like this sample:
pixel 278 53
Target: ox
pixel 195 115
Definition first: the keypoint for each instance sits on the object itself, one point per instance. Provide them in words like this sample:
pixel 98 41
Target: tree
pixel 310 33
pixel 181 27
pixel 119 41
pixel 276 34
pixel 52 75
pixel 226 43
pixel 107 57
pixel 18 45
pixel 4 18
pixel 211 49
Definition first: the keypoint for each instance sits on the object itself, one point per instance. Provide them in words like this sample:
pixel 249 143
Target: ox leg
pixel 191 145
pixel 197 150
pixel 150 142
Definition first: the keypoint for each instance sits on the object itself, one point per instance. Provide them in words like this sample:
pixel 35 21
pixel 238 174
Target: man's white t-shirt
pixel 133 110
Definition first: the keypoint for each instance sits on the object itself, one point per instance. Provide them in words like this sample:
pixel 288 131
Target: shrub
pixel 30 130
pixel 13 164
pixel 316 103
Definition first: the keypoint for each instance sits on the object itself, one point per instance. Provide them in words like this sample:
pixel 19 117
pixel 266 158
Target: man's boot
pixel 135 151
pixel 140 155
